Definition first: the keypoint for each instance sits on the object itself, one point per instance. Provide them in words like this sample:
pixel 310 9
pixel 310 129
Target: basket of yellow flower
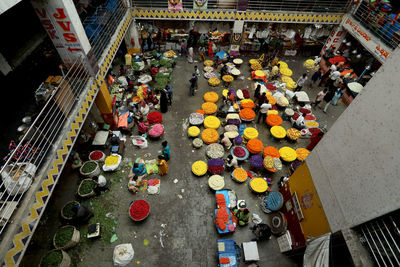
pixel 214 81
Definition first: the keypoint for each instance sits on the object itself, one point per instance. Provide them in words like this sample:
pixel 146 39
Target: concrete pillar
pixel 62 23
pixel 335 39
pixel 104 103
pixel 132 38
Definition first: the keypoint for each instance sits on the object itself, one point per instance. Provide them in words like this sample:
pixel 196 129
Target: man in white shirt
pixel 301 81
pixel 333 77
pixel 263 111
pixel 299 123
pixel 333 67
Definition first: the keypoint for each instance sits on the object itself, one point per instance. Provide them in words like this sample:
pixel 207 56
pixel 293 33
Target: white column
pixel 62 23
pixel 335 39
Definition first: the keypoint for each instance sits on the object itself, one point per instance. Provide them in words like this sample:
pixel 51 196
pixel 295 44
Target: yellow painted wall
pixel 314 223
pixel 103 99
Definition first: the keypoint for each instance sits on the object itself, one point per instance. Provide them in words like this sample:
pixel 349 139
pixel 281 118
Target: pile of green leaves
pixel 154 63
pixel 166 62
pixel 88 167
pixel 52 259
pixel 67 210
pixel 86 187
pixel 161 80
pixel 63 236
pixel 135 66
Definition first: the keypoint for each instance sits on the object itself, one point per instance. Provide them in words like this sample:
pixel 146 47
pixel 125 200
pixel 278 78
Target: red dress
pixel 210 51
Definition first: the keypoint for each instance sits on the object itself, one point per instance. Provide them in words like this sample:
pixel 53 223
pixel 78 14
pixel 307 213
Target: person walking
pixel 190 55
pixel 319 98
pixel 327 98
pixel 193 82
pixel 165 150
pixel 164 101
pixel 315 77
pixel 263 111
pixel 197 72
pixel 301 81
pixel 162 165
pixel 168 88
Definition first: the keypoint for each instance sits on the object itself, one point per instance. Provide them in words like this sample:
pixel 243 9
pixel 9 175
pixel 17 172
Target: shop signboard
pixel 200 4
pixel 62 23
pixel 377 48
pixel 335 39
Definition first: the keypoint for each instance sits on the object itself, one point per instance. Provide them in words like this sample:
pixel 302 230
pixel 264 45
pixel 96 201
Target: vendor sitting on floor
pixel 225 141
pixel 135 183
pixel 231 163
pixel 82 214
pixel 242 214
pixel 261 231
pixel 101 184
pixel 299 123
pixel 139 169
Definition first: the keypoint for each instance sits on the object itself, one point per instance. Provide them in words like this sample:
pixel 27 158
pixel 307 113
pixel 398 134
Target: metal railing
pixel 102 25
pixel 381 237
pixel 40 139
pixel 319 6
pixel 379 23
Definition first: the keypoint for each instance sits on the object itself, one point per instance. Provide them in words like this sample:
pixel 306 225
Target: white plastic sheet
pixel 18 183
pixel 317 251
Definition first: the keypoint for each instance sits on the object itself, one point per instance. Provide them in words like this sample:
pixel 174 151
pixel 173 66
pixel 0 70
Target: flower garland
pixel 240 175
pixel 209 108
pixel 278 132
pixel 258 185
pixel 199 168
pixel 271 151
pixel 254 146
pixel 302 153
pixel 193 131
pixel 209 136
pixel 211 97
pixel 212 122
pixel 247 103
pixel 288 154
pixel 274 120
pixel 250 133
pixel 247 114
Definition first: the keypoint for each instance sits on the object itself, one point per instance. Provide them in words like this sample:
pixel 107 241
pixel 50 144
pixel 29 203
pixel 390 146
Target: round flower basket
pixel 139 210
pixel 212 122
pixel 247 103
pixel 288 154
pixel 293 134
pixel 55 257
pixel 67 212
pixel 86 188
pixel 239 175
pixel 274 120
pixel 247 114
pixel 66 237
pixel 304 111
pixel 258 185
pixel 238 62
pixel 235 122
pixel 214 81
pixel 209 75
pixel 211 97
pixel 215 151
pixel 238 140
pixel 231 128
pixel 311 124
pixel 250 133
pixel 154 117
pixel 286 71
pixel 240 152
pixel 208 62
pixel 209 108
pixel 256 162
pixel 216 182
pixel 302 153
pixel 282 102
pixel 216 166
pixel 199 168
pixel 193 131
pixel 208 69
pixel 268 162
pixel 90 169
pixel 209 136
pixel 97 156
pixel 283 64
pixel 197 143
pixel 256 66
pixel 227 78
pixel 309 117
pixel 196 119
pixel 253 61
pixel 235 73
pixel 278 132
pixel 231 135
pixel 156 131
pixel 255 146
pixel 271 151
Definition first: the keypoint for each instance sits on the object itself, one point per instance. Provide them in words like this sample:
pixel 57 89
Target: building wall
pixel 314 223
pixel 355 167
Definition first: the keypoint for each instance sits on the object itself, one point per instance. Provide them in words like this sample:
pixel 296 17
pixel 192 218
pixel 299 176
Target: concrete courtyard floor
pixel 186 208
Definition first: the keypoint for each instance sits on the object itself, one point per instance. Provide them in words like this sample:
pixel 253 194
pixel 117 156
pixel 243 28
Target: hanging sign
pixel 335 39
pixel 200 4
pixel 175 5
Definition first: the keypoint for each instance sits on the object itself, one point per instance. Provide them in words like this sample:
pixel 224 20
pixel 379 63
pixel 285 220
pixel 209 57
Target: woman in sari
pixel 162 165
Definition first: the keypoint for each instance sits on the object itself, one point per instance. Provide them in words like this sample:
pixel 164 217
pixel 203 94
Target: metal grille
pixel 322 6
pixel 382 238
pixel 41 138
pixel 379 23
pixel 102 25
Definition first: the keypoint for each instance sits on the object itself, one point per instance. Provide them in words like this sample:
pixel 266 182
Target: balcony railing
pixel 40 140
pixel 319 6
pixel 379 23
pixel 101 26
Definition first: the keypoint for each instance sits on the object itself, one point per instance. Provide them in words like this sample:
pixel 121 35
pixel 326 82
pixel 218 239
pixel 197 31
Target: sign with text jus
pixel 62 24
